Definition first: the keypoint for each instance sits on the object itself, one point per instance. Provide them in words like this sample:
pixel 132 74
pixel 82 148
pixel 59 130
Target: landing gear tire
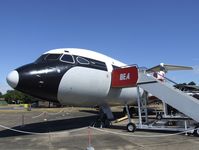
pixel 131 127
pixel 107 123
pixel 196 131
pixel 101 123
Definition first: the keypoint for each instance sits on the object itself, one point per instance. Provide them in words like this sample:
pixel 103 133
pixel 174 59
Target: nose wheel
pixel 105 117
pixel 102 123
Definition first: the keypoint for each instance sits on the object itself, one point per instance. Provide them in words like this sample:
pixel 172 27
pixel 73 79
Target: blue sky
pixel 143 32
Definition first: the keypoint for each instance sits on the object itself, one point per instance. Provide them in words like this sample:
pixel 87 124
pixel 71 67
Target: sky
pixel 143 32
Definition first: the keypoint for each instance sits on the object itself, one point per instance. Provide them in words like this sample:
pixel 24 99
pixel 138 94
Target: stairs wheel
pixel 159 116
pixel 196 131
pixel 131 127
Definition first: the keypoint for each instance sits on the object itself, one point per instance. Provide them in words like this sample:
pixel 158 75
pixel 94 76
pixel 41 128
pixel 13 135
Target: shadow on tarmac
pixel 50 126
pixel 63 125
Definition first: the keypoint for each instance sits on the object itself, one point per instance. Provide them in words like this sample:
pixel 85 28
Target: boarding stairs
pixel 170 95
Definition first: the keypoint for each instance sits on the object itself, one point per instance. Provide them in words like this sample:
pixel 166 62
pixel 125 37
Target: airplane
pixel 77 77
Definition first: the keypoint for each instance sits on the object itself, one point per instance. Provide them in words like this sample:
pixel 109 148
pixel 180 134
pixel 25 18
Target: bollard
pixel 63 113
pixel 22 120
pixel 90 148
pixel 45 116
pixel 89 140
pixel 29 107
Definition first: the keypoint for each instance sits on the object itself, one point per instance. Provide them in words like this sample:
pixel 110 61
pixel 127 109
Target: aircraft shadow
pixel 62 125
pixel 59 125
pixel 50 126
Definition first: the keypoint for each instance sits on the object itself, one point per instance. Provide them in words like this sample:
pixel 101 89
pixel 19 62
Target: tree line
pixel 16 97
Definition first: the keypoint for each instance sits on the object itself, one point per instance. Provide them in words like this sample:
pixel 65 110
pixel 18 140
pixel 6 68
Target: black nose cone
pixel 39 80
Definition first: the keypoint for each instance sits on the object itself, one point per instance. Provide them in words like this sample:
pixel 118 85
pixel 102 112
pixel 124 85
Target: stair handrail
pixel 144 69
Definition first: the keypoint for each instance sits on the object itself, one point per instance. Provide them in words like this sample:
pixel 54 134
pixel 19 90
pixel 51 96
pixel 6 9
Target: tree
pixel 0 94
pixel 191 83
pixel 15 96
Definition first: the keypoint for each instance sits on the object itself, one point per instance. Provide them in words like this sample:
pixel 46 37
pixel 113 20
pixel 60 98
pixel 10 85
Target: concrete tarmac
pixel 57 130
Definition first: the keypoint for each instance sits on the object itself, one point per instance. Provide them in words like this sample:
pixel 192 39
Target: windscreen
pixel 48 57
pixel 41 58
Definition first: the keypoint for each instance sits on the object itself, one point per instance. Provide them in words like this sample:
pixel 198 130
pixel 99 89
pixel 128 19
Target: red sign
pixel 125 77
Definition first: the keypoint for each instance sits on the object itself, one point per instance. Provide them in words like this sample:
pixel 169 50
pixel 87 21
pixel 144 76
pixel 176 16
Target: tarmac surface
pixel 67 129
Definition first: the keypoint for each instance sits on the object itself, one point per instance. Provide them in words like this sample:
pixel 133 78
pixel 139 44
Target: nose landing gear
pixel 105 117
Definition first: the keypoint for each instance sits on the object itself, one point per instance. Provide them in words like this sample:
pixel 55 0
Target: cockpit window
pixel 53 57
pixel 41 58
pixel 67 58
pixel 82 61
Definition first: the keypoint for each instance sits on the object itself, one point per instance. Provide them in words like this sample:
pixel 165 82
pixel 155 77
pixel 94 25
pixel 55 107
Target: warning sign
pixel 125 77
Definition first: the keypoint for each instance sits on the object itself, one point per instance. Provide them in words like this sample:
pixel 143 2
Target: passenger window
pixel 82 61
pixel 52 56
pixel 98 65
pixel 68 59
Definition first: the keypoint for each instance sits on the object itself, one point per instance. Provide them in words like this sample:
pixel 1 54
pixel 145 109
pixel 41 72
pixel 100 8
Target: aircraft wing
pixel 168 68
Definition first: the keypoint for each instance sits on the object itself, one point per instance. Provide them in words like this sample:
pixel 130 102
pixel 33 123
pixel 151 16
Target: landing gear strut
pixel 105 117
pixel 104 121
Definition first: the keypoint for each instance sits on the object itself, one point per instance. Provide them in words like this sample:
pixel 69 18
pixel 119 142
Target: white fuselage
pixel 87 86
